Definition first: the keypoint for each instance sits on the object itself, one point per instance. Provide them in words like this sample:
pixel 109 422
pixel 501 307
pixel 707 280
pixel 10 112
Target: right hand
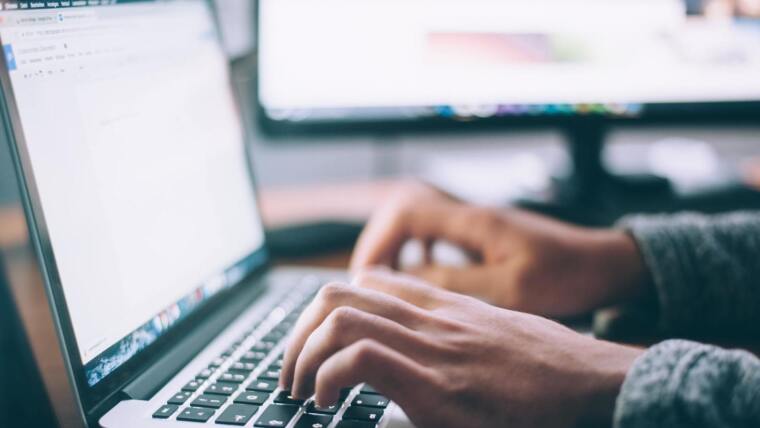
pixel 450 360
pixel 523 261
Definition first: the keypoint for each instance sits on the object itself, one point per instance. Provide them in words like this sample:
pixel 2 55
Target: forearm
pixel 686 384
pixel 704 270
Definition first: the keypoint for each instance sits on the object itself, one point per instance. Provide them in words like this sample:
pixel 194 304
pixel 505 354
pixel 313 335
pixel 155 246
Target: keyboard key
pixel 217 362
pixel 210 401
pixel 270 375
pixel 165 411
pixel 277 415
pixel 205 374
pixel 192 386
pixel 193 414
pixel 252 397
pixel 232 377
pixel 277 364
pixel 283 397
pixel 263 346
pixel 221 388
pixel 284 327
pixel 242 367
pixel 329 410
pixel 368 389
pixel 355 424
pixel 274 336
pixel 370 400
pixel 179 398
pixel 363 414
pixel 262 385
pixel 237 414
pixel 314 421
pixel 253 357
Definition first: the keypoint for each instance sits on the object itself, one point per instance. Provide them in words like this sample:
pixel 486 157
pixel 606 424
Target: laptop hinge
pixel 148 383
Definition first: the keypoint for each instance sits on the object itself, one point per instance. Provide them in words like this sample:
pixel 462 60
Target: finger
pixel 402 286
pixel 394 375
pixel 382 239
pixel 343 327
pixel 333 296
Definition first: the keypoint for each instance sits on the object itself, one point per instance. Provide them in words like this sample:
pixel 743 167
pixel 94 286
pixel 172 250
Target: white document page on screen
pixel 138 154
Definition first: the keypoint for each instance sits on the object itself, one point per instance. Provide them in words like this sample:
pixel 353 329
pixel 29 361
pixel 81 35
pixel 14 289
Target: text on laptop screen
pixel 137 151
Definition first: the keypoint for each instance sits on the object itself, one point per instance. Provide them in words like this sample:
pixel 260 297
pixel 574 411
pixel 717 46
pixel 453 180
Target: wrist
pixel 610 367
pixel 622 275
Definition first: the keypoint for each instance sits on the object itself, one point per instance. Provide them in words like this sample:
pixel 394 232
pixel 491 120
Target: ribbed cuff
pixel 678 383
pixel 664 247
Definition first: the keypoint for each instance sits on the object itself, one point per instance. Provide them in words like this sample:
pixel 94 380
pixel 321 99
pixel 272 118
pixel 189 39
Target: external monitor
pixel 396 64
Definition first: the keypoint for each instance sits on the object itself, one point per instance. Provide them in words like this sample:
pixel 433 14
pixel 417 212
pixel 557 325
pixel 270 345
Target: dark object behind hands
pixel 23 401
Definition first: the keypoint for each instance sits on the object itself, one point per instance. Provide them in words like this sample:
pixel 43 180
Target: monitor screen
pixel 377 60
pixel 136 150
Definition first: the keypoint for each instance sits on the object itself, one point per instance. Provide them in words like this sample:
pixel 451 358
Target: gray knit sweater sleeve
pixel 680 384
pixel 706 271
pixel 706 274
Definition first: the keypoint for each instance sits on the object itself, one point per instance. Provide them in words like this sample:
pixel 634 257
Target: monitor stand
pixel 592 195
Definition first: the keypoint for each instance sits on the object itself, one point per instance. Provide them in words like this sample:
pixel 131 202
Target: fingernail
pixel 321 402
pixel 295 393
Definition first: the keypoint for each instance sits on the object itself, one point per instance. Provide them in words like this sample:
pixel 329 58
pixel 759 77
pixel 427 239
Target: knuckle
pixel 332 292
pixel 364 353
pixel 453 386
pixel 342 318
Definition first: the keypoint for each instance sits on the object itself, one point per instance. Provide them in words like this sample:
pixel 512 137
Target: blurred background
pixel 330 104
pixel 345 88
pixel 584 109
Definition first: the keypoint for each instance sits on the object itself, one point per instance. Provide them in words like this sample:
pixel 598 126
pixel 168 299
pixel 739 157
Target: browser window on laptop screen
pixel 138 157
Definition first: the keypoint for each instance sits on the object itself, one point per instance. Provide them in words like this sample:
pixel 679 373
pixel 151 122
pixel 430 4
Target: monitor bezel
pixel 671 114
pixel 90 399
pixel 653 114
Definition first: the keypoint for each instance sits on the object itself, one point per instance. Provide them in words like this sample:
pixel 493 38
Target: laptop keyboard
pixel 240 386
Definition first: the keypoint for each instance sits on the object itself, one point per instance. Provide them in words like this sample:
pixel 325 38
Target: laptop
pixel 136 181
pixel 23 400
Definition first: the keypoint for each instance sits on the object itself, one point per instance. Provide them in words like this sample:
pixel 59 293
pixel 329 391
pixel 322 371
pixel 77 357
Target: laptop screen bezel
pixel 91 397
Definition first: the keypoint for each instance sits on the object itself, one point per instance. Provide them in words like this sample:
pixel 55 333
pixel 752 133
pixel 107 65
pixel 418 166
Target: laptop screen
pixel 137 153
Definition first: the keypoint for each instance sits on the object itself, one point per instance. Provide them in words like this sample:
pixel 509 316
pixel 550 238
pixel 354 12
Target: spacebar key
pixel 277 415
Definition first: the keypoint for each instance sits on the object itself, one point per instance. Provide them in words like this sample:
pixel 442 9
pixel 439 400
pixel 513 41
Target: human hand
pixel 522 261
pixel 450 360
pixel 730 8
